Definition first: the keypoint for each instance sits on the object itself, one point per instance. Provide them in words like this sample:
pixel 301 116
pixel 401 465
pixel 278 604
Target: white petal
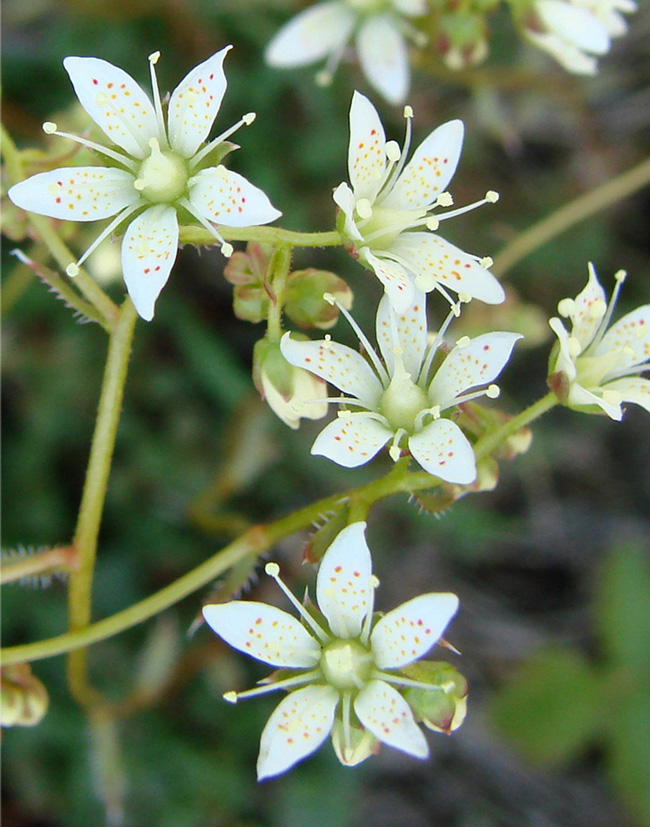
pixel 115 102
pixel 383 711
pixel 297 727
pixel 433 261
pixel 575 25
pixel 442 449
pixel 477 363
pixel 351 440
pixel 409 631
pixel 366 151
pixel 227 198
pixel 397 283
pixel 579 397
pixel 589 306
pixel 263 632
pixel 570 57
pixel 343 589
pixel 337 364
pixel 407 330
pixel 311 35
pixel 76 193
pixel 345 200
pixel 430 170
pixel 384 57
pixel 194 104
pixel 148 255
pixel 564 361
pixel 411 8
pixel 631 335
pixel 633 389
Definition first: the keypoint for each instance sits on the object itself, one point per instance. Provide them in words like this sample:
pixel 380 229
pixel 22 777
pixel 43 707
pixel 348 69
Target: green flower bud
pixel 442 709
pixel 305 303
pixel 23 698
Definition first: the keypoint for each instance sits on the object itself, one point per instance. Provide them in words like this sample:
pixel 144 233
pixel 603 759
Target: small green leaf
pixel 552 708
pixel 623 615
pixel 629 753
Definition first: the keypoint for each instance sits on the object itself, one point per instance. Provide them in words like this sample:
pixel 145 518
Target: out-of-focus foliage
pixel 199 458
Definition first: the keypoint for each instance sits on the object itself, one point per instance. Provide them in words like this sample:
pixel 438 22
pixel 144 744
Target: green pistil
pixel 162 177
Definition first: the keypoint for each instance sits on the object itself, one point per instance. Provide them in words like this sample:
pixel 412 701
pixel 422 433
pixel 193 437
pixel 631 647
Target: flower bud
pixel 290 392
pixel 23 698
pixel 463 41
pixel 442 709
pixel 247 272
pixel 305 304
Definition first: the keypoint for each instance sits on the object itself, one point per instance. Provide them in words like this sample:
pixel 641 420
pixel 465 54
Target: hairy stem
pixel 263 235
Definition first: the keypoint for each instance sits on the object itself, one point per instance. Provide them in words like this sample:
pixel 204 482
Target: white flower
pixel 401 400
pixel 378 27
pixel 160 170
pixel 386 216
pixel 595 367
pixel 574 32
pixel 347 663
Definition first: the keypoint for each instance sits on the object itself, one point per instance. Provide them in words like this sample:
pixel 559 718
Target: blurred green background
pixel 551 568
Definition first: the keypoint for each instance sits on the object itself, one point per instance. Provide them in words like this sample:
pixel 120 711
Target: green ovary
pixel 162 178
pixel 401 402
pixel 385 225
pixel 346 664
pixel 592 370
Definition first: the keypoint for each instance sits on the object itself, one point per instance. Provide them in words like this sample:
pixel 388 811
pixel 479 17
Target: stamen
pixel 297 680
pixel 493 391
pixel 157 105
pixel 324 77
pixel 486 261
pixel 347 741
pixel 51 128
pixel 393 174
pixel 445 199
pixel 376 361
pixel 364 208
pixel 245 120
pixel 620 276
pixel 434 411
pixel 73 269
pixel 273 570
pixel 566 308
pixel 395 450
pixel 364 637
pixel 398 680
pixel 226 248
pixel 489 199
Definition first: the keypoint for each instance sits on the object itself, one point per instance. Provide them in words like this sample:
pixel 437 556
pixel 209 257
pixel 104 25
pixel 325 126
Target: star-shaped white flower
pixel 402 397
pixel 386 217
pixel 346 662
pixel 379 28
pixel 576 32
pixel 594 367
pixel 161 169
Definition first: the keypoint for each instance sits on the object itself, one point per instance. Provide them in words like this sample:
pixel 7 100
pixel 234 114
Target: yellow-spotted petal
pixel 631 336
pixel 443 450
pixel 430 170
pixel 263 632
pixel 76 193
pixel 225 197
pixel 409 631
pixel 434 262
pixel 406 330
pixel 337 364
pixel 397 283
pixel 296 728
pixel 468 365
pixel 148 254
pixel 343 588
pixel 116 103
pixel 352 439
pixel 194 104
pixel 366 152
pixel 385 713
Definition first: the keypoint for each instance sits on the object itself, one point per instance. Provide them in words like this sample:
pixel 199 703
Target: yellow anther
pixel 491 197
pixel 49 127
pixel 444 199
pixel 408 111
pixel 486 261
pixel 364 208
pixel 227 249
pixel 566 308
pixel 154 58
pixel 72 270
pixel 272 569
pixel 463 341
pixel 493 391
pixel 231 697
pixel 249 117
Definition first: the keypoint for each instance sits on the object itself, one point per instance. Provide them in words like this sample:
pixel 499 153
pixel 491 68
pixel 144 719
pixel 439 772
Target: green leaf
pixel 552 708
pixel 623 609
pixel 629 753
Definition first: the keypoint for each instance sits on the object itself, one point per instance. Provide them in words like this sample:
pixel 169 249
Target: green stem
pixel 484 447
pixel 94 492
pixel 279 268
pixel 578 210
pixel 58 250
pixel 260 539
pixel 263 235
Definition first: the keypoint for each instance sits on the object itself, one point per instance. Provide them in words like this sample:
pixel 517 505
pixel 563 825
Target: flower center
pixel 368 6
pixel 346 664
pixel 593 370
pixel 402 401
pixel 162 177
pixel 380 226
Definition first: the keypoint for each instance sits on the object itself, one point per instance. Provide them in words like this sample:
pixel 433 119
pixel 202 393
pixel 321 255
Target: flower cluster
pixel 163 168
pixel 379 28
pixel 387 215
pixel 402 398
pixel 346 665
pixel 596 367
pixel 577 32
